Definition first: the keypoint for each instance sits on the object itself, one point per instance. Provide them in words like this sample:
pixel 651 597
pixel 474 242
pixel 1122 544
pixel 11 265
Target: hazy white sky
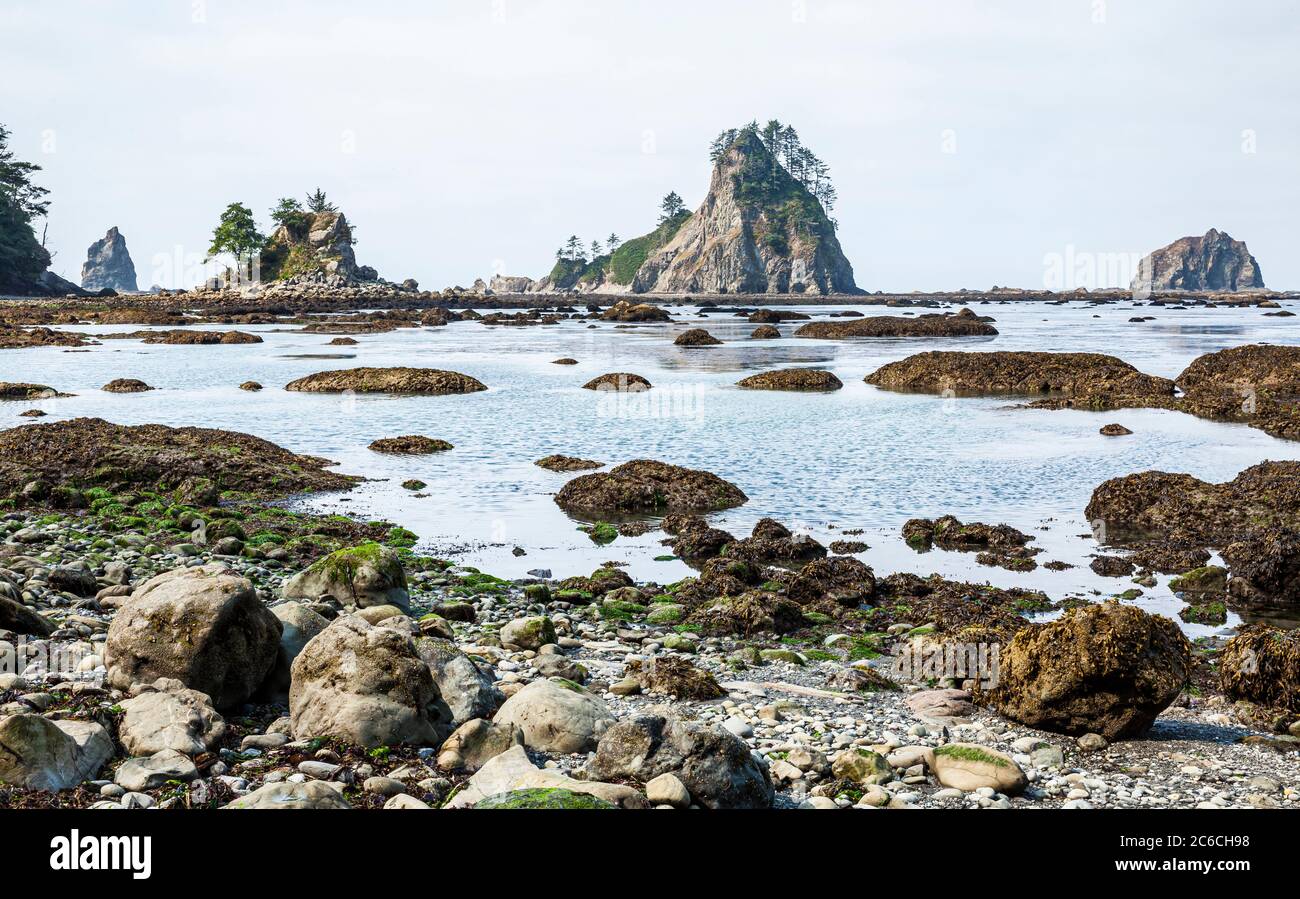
pixel 969 141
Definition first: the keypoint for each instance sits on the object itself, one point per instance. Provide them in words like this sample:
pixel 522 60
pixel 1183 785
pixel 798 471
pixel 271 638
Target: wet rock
pixel 365 684
pixel 1265 569
pixel 194 464
pixel 624 311
pixel 556 716
pixel 696 337
pixel 126 385
pixel 674 676
pixel 1261 664
pixel 1106 668
pixel 17 391
pixel 1114 430
pixel 1208 580
pixel 418 381
pixel 716 767
pixel 843 580
pixel 646 486
pixel 1079 380
pixel 365 575
pixel 749 613
pixel 1255 385
pixel 1112 566
pixel 203 626
pixel 949 533
pixel 800 379
pixel 618 382
pixel 961 324
pixel 251 386
pixel 567 463
pixel 410 445
pixel 183 337
pixel 765 332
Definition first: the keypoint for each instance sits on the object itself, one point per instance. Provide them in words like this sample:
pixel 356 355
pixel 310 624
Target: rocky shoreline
pixel 179 640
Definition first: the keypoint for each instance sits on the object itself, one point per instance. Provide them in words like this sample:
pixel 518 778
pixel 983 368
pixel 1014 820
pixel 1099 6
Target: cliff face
pixel 758 231
pixel 1212 262
pixel 314 246
pixel 108 265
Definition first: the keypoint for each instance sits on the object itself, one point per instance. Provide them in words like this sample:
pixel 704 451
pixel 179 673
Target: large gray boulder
pixel 39 754
pixel 170 716
pixel 299 624
pixel 361 576
pixel 467 692
pixel 716 766
pixel 368 685
pixel 108 265
pixel 312 794
pixel 203 626
pixel 557 716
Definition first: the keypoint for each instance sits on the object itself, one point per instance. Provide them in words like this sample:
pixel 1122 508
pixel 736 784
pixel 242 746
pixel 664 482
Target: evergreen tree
pixel 236 234
pixel 671 207
pixel 316 202
pixel 22 257
pixel 612 242
pixel 287 212
pixel 596 249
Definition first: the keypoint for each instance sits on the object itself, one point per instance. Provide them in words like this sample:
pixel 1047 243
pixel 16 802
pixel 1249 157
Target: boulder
pixel 298 625
pixel 1261 664
pixel 803 379
pixel 696 337
pixel 532 632
pixel 39 754
pixel 16 617
pixel 644 486
pixel 475 743
pixel 969 767
pixel 466 691
pixel 960 324
pixel 367 575
pixel 203 626
pixel 310 794
pixel 1106 668
pixel 862 766
pixel 365 684
pixel 170 716
pixel 715 766
pixel 420 381
pixel 126 385
pixel 556 716
pixel 512 770
pixel 618 382
pixel 136 775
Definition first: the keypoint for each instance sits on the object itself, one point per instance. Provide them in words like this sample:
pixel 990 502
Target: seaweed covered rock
pixel 842 580
pixel 948 532
pixel 618 382
pixel 674 676
pixel 803 379
pixel 1107 669
pixel 183 337
pixel 567 463
pixel 696 337
pixel 532 632
pixel 1265 569
pixel 368 685
pixel 716 767
pixel 126 385
pixel 197 464
pixel 361 576
pixel 1256 385
pixel 960 324
pixel 624 311
pixel 646 486
pixel 410 445
pixel 553 798
pixel 203 626
pixel 752 612
pixel 772 543
pixel 765 332
pixel 970 767
pixel 10 390
pixel 420 381
pixel 1082 380
pixel 1261 664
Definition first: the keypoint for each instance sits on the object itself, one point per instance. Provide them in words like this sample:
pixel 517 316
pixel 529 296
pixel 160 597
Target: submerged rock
pixel 619 382
pixel 1108 669
pixel 792 379
pixel 567 463
pixel 647 486
pixel 126 385
pixel 765 332
pixel 410 445
pixel 960 324
pixel 697 337
pixel 420 381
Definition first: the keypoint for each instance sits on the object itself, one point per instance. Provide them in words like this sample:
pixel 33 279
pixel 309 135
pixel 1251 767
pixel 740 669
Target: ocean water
pixel 822 463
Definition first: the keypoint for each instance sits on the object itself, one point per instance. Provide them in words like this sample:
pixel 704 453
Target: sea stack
pixel 108 265
pixel 1214 262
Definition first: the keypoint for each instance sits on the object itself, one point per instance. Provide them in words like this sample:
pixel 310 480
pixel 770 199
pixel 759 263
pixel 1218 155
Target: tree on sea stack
pixel 316 202
pixel 671 207
pixel 22 257
pixel 237 235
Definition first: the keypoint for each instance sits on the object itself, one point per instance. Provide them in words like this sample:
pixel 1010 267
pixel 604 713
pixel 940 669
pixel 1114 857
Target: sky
pixel 1029 144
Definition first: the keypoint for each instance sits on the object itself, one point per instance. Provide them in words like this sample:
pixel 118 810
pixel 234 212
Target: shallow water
pixel 857 458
